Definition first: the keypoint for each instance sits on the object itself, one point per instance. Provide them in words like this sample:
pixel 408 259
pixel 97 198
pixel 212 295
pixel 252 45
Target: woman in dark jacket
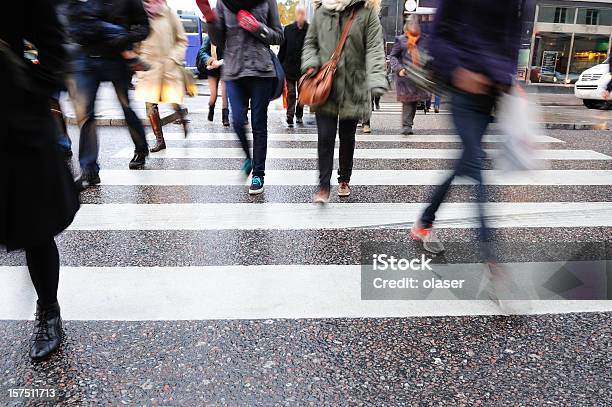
pixel 405 51
pixel 245 29
pixel 38 198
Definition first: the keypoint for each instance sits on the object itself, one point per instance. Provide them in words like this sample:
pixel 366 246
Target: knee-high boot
pixel 156 125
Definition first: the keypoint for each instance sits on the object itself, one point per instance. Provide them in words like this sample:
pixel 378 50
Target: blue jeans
pixel 89 73
pixel 471 116
pixel 259 92
pixel 437 101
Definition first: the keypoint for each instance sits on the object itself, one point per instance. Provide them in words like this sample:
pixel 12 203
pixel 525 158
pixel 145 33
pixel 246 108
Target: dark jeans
pixel 471 116
pixel 63 140
pixel 293 108
pixel 43 265
pixel 89 73
pixel 259 92
pixel 327 126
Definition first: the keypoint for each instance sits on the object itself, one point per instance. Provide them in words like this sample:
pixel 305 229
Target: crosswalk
pixel 193 257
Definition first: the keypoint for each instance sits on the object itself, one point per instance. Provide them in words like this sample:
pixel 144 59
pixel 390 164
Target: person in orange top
pixel 406 51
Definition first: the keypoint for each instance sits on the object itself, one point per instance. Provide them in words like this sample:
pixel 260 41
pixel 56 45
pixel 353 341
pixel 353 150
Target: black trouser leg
pixel 43 264
pixel 326 130
pixel 346 130
pixel 292 100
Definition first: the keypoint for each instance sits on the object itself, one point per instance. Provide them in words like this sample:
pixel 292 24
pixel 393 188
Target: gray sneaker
pixel 428 237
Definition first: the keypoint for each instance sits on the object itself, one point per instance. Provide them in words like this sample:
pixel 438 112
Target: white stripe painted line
pixel 415 138
pixel 374 153
pixel 359 177
pixel 249 216
pixel 233 292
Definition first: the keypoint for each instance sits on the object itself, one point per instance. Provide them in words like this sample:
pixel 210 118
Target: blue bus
pixel 193 28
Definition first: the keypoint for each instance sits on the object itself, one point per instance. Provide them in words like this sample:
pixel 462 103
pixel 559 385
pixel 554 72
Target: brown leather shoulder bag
pixel 314 90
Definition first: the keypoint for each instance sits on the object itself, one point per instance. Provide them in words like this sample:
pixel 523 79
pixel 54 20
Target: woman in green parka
pixel 360 73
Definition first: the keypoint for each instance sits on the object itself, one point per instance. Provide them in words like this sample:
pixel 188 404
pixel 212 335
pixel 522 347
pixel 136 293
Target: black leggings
pixel 43 264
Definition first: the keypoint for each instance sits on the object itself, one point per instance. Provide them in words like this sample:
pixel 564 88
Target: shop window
pixel 550 57
pixel 589 50
pixel 558 15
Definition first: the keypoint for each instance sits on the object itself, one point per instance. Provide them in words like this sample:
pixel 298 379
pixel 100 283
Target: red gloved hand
pixel 248 21
pixel 209 14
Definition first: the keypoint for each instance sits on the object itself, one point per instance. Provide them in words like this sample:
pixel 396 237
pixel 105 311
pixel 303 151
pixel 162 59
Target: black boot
pixel 225 117
pixel 138 161
pixel 48 332
pixel 183 120
pixel 156 126
pixel 211 113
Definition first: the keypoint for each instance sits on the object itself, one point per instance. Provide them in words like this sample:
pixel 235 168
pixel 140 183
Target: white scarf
pixel 335 5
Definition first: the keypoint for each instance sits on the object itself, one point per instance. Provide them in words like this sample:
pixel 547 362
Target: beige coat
pixel 164 49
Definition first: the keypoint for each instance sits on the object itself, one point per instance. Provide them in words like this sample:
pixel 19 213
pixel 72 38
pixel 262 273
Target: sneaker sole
pixel 256 191
pixel 343 194
pixel 321 201
pixel 136 166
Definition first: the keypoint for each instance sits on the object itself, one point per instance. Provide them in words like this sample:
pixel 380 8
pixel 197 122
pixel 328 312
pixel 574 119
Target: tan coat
pixel 164 49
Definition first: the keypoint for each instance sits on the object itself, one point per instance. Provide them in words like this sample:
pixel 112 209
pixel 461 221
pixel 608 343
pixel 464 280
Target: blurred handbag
pixel 191 88
pixel 314 90
pixel 517 118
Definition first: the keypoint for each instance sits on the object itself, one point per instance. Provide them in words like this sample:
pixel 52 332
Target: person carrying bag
pixel 344 66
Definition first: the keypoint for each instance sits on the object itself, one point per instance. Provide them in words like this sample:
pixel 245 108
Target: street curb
pixel 121 122
pixel 576 126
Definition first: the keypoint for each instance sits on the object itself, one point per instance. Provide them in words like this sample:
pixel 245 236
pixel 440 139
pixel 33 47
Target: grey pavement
pixel 233 314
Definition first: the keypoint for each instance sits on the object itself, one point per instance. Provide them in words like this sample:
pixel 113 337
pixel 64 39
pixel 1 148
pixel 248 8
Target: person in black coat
pixel 38 198
pixel 290 55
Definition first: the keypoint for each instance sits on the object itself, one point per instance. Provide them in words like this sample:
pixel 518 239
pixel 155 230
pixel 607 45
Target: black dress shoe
pixel 84 182
pixel 298 120
pixel 138 161
pixel 48 332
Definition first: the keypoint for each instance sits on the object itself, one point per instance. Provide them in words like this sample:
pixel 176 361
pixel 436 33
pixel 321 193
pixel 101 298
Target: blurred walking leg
pixel 156 126
pixel 346 131
pixel 87 83
pixel 213 85
pixel 43 266
pixel 291 101
pixel 408 113
pixel 260 99
pixel 327 126
pixel 121 77
pixel 238 99
pixel 63 139
pixel 224 106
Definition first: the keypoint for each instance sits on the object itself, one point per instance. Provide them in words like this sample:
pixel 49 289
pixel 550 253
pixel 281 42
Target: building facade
pixel 561 38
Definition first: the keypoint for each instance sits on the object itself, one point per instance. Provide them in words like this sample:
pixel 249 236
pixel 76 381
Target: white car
pixel 591 85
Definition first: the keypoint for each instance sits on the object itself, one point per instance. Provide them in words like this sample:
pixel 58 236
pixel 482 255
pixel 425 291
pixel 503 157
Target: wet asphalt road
pixel 553 359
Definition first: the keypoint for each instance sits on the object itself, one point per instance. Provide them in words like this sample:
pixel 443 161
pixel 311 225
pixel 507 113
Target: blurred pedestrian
pixel 290 55
pixel 360 75
pixel 211 59
pixel 100 60
pixel 406 51
pixel 606 93
pixel 38 198
pixel 164 51
pixel 480 68
pixel 245 29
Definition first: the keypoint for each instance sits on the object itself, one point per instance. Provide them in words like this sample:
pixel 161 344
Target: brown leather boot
pixel 156 125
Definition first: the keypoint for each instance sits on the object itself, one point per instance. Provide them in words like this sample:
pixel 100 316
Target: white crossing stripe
pixel 399 138
pixel 234 292
pixel 364 153
pixel 248 216
pixel 359 177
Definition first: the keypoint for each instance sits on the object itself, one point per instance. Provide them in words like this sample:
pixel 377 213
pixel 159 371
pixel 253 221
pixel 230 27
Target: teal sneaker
pixel 257 185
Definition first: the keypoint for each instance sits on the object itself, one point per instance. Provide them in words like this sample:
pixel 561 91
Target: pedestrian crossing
pixel 233 260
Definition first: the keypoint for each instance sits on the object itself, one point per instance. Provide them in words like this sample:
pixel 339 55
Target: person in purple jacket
pixel 474 45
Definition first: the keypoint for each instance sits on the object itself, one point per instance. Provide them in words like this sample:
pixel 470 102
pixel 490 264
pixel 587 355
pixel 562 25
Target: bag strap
pixel 336 55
